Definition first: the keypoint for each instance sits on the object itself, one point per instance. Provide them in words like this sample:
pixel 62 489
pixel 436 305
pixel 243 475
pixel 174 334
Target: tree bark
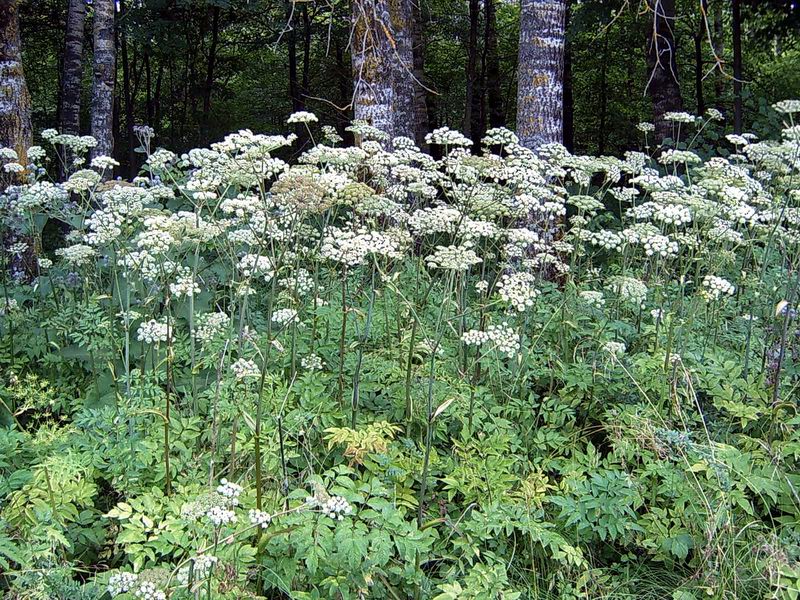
pixel 663 88
pixel 102 110
pixel 496 116
pixel 540 86
pixel 373 92
pixel 473 91
pixel 15 101
pixel 420 93
pixel 569 98
pixel 208 88
pixel 401 18
pixel 736 30
pixel 72 73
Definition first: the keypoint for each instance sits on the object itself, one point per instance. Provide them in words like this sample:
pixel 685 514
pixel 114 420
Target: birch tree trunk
pixel 102 109
pixel 72 72
pixel 373 84
pixel 15 101
pixel 662 87
pixel 383 65
pixel 403 79
pixel 540 86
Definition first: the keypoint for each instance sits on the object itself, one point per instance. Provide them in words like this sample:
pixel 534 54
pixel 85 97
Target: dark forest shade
pixel 663 87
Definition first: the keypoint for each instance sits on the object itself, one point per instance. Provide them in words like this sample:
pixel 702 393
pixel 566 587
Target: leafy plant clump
pixel 372 373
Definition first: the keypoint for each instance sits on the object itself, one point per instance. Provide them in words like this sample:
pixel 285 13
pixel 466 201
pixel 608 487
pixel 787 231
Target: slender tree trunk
pixel 104 74
pixel 72 73
pixel 540 85
pixel 662 87
pixel 719 50
pixel 473 92
pixel 698 69
pixel 736 30
pixel 304 90
pixel 208 88
pixel 420 93
pixel 602 125
pixel 128 102
pixel 15 101
pixel 496 116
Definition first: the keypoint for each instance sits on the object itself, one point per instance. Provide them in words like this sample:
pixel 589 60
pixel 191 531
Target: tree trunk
pixel 569 98
pixel 291 45
pixel 496 117
pixel 383 62
pixel 15 101
pixel 128 102
pixel 208 88
pixel 698 69
pixel 736 30
pixel 420 93
pixel 473 91
pixel 401 19
pixel 719 50
pixel 72 73
pixel 663 87
pixel 540 86
pixel 104 74
pixel 602 125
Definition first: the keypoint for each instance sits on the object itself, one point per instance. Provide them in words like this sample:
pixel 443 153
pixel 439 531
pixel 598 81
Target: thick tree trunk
pixel 736 30
pixel 102 116
pixel 496 116
pixel 662 87
pixel 15 101
pixel 540 86
pixel 72 73
pixel 373 89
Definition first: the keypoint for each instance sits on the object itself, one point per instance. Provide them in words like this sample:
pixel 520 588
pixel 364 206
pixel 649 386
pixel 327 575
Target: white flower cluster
pixel 219 516
pixel 302 116
pixel 260 518
pixel 593 298
pixel 149 591
pixel 715 288
pixel 456 258
pixel 300 282
pixel 352 247
pixel 502 337
pixel 614 348
pixel 672 214
pixel 660 245
pixel 231 491
pixel 245 369
pixel 518 290
pixel 185 284
pixel 336 508
pixel 41 194
pixel 283 316
pixel 444 136
pixel 439 219
pixel 630 289
pixel 312 362
pixel 77 254
pixel 253 264
pixel 121 583
pixel 153 332
pixel 607 239
pixel 210 325
pixel 199 569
